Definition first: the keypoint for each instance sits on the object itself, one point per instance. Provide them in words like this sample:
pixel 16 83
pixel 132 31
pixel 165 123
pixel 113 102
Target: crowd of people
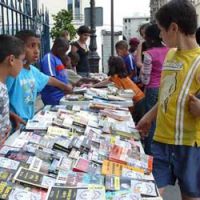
pixel 162 69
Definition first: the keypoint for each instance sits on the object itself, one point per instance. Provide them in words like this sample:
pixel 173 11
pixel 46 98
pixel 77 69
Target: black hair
pixel 198 36
pixel 60 42
pixel 83 29
pixel 181 12
pixel 10 45
pixel 74 56
pixel 117 66
pixel 152 36
pixel 143 26
pixel 122 44
pixel 24 35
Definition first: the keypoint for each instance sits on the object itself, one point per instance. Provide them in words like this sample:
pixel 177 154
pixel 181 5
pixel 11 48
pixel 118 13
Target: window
pixel 70 2
pixel 77 9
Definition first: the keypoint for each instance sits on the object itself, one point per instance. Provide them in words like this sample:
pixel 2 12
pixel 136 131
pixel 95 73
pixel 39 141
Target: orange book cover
pixel 113 168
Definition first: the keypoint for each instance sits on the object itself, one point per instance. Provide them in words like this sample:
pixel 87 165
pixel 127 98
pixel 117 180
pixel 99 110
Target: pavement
pixel 171 192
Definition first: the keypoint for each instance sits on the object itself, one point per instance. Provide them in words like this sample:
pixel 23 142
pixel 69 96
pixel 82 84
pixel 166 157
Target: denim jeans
pixel 151 98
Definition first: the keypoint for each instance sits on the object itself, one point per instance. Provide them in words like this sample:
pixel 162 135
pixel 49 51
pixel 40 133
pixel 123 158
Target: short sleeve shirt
pixel 23 91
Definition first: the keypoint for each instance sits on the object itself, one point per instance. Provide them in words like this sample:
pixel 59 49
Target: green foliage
pixel 63 21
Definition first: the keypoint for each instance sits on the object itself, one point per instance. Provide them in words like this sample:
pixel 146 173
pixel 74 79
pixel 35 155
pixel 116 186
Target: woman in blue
pixel 81 48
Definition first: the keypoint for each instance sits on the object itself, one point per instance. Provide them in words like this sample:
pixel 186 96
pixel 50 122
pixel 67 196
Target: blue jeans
pixel 177 162
pixel 151 98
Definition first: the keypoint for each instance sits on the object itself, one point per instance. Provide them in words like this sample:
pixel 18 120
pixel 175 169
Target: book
pixel 118 154
pixel 56 131
pixel 124 194
pixel 5 190
pixel 64 163
pixel 4 149
pixel 115 114
pixel 29 177
pixel 6 175
pixel 8 163
pixel 112 183
pixel 23 194
pixel 72 179
pixel 112 168
pixel 35 124
pixel 145 188
pixel 90 192
pixel 82 165
pixel 18 156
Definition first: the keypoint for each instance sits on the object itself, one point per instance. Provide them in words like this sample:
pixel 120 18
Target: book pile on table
pixel 106 97
pixel 76 155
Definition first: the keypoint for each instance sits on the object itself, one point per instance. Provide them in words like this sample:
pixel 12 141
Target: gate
pixel 16 15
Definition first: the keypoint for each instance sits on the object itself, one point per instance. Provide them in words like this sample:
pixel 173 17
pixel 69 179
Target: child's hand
pixel 17 121
pixel 194 105
pixel 87 85
pixel 143 126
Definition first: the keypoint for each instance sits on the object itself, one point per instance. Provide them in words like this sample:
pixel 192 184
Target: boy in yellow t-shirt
pixel 177 136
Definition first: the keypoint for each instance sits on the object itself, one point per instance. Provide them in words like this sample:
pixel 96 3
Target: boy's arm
pixel 67 88
pixel 144 124
pixel 102 83
pixel 17 120
pixel 194 105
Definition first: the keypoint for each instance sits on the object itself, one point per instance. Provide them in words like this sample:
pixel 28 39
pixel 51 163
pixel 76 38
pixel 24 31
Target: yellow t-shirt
pixel 180 77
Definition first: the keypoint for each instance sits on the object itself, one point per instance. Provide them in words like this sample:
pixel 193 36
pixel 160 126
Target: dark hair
pixel 83 29
pixel 74 56
pixel 152 36
pixel 10 45
pixel 181 12
pixel 24 35
pixel 117 66
pixel 198 36
pixel 122 44
pixel 143 26
pixel 60 42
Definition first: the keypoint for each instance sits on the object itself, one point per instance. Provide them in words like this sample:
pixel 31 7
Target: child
pixel 119 76
pixel 122 50
pixel 11 60
pixel 151 73
pixel 177 136
pixel 52 65
pixel 24 88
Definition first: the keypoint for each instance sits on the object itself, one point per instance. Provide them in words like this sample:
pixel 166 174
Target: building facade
pixel 131 26
pixel 154 6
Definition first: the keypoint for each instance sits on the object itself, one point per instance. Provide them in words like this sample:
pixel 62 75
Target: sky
pixel 127 8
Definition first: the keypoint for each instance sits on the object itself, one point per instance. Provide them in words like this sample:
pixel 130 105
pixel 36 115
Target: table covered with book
pixel 70 152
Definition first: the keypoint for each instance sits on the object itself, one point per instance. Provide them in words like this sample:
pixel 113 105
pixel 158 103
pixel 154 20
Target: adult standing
pixel 80 47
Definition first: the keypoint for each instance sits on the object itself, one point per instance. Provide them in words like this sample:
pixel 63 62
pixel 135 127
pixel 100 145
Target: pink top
pixel 153 63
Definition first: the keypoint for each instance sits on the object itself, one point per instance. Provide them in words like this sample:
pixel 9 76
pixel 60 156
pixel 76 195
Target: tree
pixel 63 22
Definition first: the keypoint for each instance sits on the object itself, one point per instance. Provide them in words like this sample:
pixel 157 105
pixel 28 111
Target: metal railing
pixel 16 15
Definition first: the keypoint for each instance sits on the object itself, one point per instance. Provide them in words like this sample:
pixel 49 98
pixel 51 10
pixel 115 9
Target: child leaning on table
pixel 11 61
pixel 119 76
pixel 24 88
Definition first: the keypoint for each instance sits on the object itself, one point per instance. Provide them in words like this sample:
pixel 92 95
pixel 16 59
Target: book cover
pixel 8 163
pixel 118 154
pixel 82 165
pixel 123 195
pixel 112 168
pixel 5 190
pixel 145 188
pixel 23 194
pixel 76 193
pixel 112 183
pixel 33 178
